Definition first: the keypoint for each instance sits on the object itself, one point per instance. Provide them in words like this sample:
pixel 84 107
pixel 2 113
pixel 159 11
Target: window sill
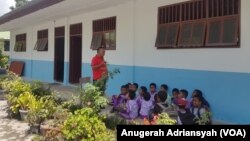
pixel 200 47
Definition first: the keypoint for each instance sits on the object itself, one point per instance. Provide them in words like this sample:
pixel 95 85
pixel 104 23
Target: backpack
pixel 187 118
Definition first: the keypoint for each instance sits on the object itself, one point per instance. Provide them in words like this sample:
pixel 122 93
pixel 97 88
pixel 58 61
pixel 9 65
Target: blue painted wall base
pixel 227 92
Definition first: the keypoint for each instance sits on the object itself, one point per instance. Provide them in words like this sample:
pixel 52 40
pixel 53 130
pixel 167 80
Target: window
pixel 6 45
pixel 168 28
pixel 20 45
pixel 59 32
pixel 192 34
pixel 199 23
pixel 104 33
pixel 76 29
pixel 223 23
pixel 42 40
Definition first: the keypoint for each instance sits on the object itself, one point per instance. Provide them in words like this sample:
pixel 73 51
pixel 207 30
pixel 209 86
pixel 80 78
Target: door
pixel 59 54
pixel 75 55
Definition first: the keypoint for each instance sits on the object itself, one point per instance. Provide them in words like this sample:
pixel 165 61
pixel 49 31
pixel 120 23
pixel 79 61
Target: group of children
pixel 135 102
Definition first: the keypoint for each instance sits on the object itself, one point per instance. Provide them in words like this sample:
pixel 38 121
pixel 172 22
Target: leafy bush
pixel 3 60
pixel 205 119
pixel 15 85
pixel 85 124
pixel 72 104
pixel 164 119
pixel 24 100
pixel 51 128
pixel 13 105
pixel 41 109
pixel 39 89
pixel 91 97
pixel 161 119
pixel 112 121
pixel 102 83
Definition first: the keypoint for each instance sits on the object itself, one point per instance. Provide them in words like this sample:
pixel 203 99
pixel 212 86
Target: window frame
pixel 166 45
pixel 6 44
pixel 42 43
pixel 100 28
pixel 221 44
pixel 201 11
pixel 20 44
pixel 193 23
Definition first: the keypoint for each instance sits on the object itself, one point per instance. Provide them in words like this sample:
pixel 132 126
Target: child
pixel 139 98
pixel 197 109
pixel 127 86
pixel 135 87
pixel 183 94
pixel 130 86
pixel 117 100
pixel 146 105
pixel 185 117
pixel 164 88
pixel 159 99
pixel 131 110
pixel 199 93
pixel 153 91
pixel 175 93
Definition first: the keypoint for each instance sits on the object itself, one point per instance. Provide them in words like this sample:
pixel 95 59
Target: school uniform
pixel 152 98
pixel 118 100
pixel 131 111
pixel 139 99
pixel 198 112
pixel 146 106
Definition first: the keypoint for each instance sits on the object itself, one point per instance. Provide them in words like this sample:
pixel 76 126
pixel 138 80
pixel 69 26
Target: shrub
pixel 161 119
pixel 164 119
pixel 24 100
pixel 85 124
pixel 205 119
pixel 72 104
pixel 102 83
pixel 39 89
pixel 112 121
pixel 92 97
pixel 3 60
pixel 14 85
pixel 40 109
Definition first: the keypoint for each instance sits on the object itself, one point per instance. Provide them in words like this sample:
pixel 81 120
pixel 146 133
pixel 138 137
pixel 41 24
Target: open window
pixel 192 34
pixel 42 41
pixel 104 34
pixel 167 36
pixel 20 45
pixel 199 24
pixel 223 32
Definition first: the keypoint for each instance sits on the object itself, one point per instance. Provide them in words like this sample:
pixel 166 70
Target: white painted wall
pixel 124 33
pixel 136 34
pixel 224 59
pixel 4 35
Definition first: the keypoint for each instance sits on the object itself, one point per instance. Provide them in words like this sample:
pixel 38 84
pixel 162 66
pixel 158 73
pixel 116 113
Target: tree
pixel 19 3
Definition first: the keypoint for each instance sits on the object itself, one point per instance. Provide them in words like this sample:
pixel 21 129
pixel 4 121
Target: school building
pixel 5 42
pixel 194 44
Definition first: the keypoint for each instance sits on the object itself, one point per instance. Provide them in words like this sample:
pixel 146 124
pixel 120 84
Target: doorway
pixel 59 54
pixel 75 54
